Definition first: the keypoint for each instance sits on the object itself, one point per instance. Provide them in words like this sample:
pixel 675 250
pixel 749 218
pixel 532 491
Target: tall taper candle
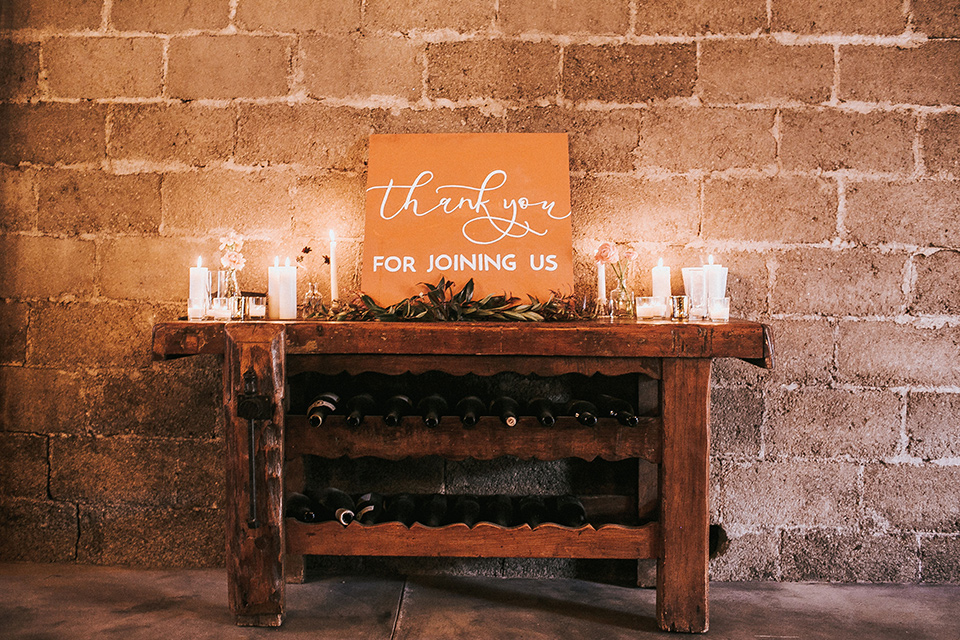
pixel 334 290
pixel 601 282
pixel 273 290
pixel 287 298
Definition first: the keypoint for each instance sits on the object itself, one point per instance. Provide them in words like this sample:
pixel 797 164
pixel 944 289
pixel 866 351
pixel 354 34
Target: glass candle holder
pixel 679 307
pixel 196 308
pixel 650 307
pixel 719 309
pixel 222 308
pixel 256 307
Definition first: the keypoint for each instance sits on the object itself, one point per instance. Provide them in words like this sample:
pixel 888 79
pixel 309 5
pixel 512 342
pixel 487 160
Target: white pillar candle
pixel 334 289
pixel 273 290
pixel 661 280
pixel 601 282
pixel 287 295
pixel 715 279
pixel 199 291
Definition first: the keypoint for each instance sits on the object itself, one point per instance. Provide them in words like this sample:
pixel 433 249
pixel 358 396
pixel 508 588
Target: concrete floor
pixel 67 602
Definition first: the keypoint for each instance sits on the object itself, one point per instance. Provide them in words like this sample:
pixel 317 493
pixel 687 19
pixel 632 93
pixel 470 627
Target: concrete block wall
pixel 814 147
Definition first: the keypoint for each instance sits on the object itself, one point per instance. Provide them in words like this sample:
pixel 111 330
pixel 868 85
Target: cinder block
pixel 353 66
pixel 171 16
pixel 421 15
pixel 750 556
pixel 629 73
pixel 803 493
pixel 928 74
pixel 922 213
pixel 76 202
pixel 324 16
pixel 736 416
pixel 837 283
pixel 411 475
pixel 61 411
pixel 599 140
pixel 693 17
pixel 833 556
pixel 936 18
pixel 152 269
pixel 200 479
pixel 51 14
pixel 127 470
pixel 940 140
pixel 37 531
pixel 802 350
pixel 43 267
pixel 77 335
pixel 118 535
pixel 18 199
pixel 104 67
pixel 23 465
pixel 51 132
pixel 442 120
pixel 330 200
pixel 310 135
pixel 750 71
pixel 782 209
pixel 606 17
pixel 888 354
pixel 830 423
pixel 187 133
pixel 234 66
pixel 507 475
pixel 219 199
pixel 890 493
pixel 933 422
pixel 709 139
pixel 937 288
pixel 13 331
pixel 885 17
pixel 20 69
pixel 522 71
pixel 624 209
pixel 830 140
pixel 940 558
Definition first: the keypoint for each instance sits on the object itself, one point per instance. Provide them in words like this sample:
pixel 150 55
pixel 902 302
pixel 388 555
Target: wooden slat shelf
pixel 489 439
pixel 484 540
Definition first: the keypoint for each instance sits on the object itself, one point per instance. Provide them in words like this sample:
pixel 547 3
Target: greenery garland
pixel 440 304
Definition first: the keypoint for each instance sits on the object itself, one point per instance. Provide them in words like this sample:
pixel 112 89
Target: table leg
pixel 255 529
pixel 682 567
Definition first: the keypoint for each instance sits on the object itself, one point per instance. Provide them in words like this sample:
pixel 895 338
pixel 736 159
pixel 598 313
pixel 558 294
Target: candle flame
pixel 288 262
pixel 710 259
pixel 276 261
pixel 660 262
pixel 333 235
pixel 199 258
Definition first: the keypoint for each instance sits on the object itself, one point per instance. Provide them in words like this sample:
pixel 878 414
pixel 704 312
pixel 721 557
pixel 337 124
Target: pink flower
pixel 630 254
pixel 606 253
pixel 232 241
pixel 233 260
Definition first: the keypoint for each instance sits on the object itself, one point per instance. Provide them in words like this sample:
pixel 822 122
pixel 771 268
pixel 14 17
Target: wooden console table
pixel 263 547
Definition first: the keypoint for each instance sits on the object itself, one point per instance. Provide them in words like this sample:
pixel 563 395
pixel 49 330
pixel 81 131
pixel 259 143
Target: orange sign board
pixel 494 207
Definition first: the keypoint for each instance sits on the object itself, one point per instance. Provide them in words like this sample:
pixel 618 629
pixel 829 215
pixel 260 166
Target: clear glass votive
pixel 679 307
pixel 694 286
pixel 196 309
pixel 256 307
pixel 222 308
pixel 650 307
pixel 719 309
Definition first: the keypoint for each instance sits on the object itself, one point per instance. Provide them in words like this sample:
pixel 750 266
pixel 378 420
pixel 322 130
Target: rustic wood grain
pixel 488 439
pixel 484 540
pixel 682 577
pixel 255 556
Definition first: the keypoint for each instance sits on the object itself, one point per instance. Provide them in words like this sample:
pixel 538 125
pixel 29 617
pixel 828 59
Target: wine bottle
pixel 585 412
pixel 401 508
pixel 470 409
pixel 466 509
pixel 506 408
pixel 433 510
pixel 499 510
pixel 533 511
pixel 569 511
pixel 301 507
pixel 321 407
pixel 334 505
pixel 432 407
pixel 395 408
pixel 369 508
pixel 619 409
pixel 542 409
pixel 358 407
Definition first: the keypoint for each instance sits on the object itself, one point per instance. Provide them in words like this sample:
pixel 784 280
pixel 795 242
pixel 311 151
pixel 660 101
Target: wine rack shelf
pixel 489 439
pixel 483 540
pixel 264 446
